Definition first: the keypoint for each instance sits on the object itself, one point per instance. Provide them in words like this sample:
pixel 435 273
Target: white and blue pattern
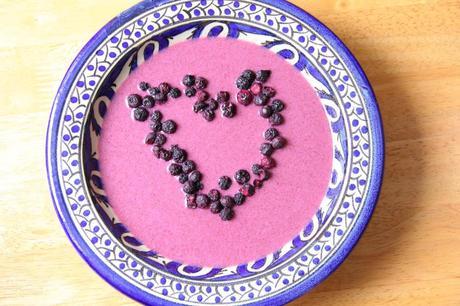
pixel 78 188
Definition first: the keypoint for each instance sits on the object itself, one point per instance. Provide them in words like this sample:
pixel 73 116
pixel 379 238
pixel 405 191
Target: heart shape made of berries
pixel 252 89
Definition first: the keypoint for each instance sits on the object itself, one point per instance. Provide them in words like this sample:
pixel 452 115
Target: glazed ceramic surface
pixel 135 36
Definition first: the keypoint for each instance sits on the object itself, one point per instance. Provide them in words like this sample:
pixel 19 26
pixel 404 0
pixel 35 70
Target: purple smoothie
pixel 149 201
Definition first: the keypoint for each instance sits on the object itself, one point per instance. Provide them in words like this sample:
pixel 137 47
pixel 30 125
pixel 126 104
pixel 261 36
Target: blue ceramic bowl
pixel 128 40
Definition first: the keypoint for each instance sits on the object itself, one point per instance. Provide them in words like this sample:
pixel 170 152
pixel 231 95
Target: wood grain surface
pixel 409 254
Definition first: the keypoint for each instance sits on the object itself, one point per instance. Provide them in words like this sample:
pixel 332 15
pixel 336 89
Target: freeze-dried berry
pixel 244 97
pixel 134 100
pixel 243 83
pixel 227 214
pixel 199 185
pixel 165 155
pixel 188 166
pixel 156 150
pixel 190 201
pixel 261 100
pixel 140 114
pixel 183 178
pixel 269 91
pixel 267 162
pixel 202 95
pixel 189 187
pixel 249 74
pixel 188 80
pixel 164 88
pixel 227 201
pixel 265 111
pixel 266 149
pixel 223 96
pixel 239 198
pixel 209 115
pixel 228 110
pixel 216 207
pixel 263 75
pixel 256 88
pixel 194 176
pixel 156 116
pixel 276 119
pixel 161 97
pixel 202 201
pixel 256 169
pixel 169 127
pixel 174 93
pixel 199 106
pixel 247 190
pixel 214 195
pixel 242 176
pixel 155 126
pixel 150 138
pixel 144 86
pixel 153 91
pixel 258 183
pixel 148 101
pixel 270 134
pixel 264 174
pixel 212 104
pixel 225 182
pixel 278 142
pixel 201 83
pixel 179 155
pixel 175 169
pixel 190 92
pixel 277 105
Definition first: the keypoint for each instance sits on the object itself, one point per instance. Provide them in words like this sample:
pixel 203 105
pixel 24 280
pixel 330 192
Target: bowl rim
pixel 328 267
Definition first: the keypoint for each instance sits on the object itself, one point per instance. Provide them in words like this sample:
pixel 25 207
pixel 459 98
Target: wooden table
pixel 410 253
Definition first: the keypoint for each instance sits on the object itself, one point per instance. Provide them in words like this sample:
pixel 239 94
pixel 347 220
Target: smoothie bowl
pixel 204 152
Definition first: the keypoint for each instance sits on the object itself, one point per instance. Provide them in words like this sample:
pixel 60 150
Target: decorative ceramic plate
pixel 141 261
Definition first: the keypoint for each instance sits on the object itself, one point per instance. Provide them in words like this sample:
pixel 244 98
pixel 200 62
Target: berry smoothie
pixel 150 201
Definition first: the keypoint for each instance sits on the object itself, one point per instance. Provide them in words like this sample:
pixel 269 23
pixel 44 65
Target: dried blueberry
pixel 156 116
pixel 202 201
pixel 140 114
pixel 209 115
pixel 174 93
pixel 227 201
pixel 248 190
pixel 228 110
pixel 223 96
pixel 277 105
pixel 153 91
pixel 183 178
pixel 194 176
pixel 267 163
pixel 199 106
pixel 188 80
pixel 190 92
pixel 165 155
pixel 155 126
pixel 270 134
pixel 261 100
pixel 169 127
pixel 266 149
pixel 239 198
pixel 256 169
pixel 258 183
pixel 276 119
pixel 249 74
pixel 175 169
pixel 148 101
pixel 216 207
pixel 156 150
pixel 225 182
pixel 150 138
pixel 242 176
pixel 269 91
pixel 144 86
pixel 264 174
pixel 189 187
pixel 190 200
pixel 265 112
pixel 227 214
pixel 212 104
pixel 256 88
pixel 188 166
pixel 278 142
pixel 202 96
pixel 201 83
pixel 164 88
pixel 161 97
pixel 263 75
pixel 134 100
pixel 179 155
pixel 243 83
pixel 214 195
pixel 244 97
